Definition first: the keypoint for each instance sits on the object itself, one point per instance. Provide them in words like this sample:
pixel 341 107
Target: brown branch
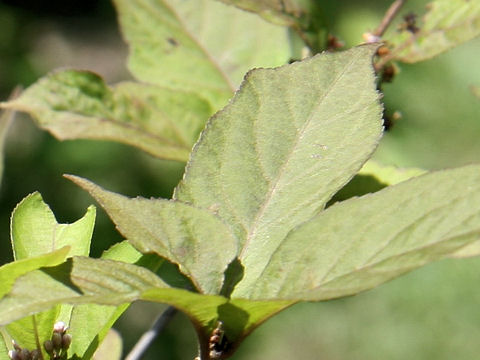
pixel 388 17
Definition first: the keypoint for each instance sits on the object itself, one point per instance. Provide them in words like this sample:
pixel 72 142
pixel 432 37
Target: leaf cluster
pixel 279 202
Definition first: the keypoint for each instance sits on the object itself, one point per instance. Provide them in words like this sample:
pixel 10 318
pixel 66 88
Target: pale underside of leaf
pixel 448 23
pixel 360 243
pixel 187 236
pixel 79 105
pixel 291 137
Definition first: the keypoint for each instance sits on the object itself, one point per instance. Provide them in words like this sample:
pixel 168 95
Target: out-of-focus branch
pixel 147 339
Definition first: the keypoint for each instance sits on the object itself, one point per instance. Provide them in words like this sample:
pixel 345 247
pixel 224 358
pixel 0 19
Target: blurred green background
pixel 432 313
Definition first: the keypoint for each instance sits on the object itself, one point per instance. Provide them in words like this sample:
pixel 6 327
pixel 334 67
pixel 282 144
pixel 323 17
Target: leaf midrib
pixel 269 196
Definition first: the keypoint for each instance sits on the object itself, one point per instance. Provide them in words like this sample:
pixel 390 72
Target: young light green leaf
pixel 79 105
pixel 448 23
pixel 33 330
pixel 291 137
pixel 90 323
pixel 181 233
pixel 360 243
pixel 35 231
pixel 85 281
pixel 203 47
pixel 11 271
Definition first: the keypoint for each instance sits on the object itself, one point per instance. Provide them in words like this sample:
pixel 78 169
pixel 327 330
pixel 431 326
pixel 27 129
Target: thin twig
pixel 147 339
pixel 389 16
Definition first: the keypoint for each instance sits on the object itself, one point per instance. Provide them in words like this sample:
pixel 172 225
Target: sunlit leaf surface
pixel 290 138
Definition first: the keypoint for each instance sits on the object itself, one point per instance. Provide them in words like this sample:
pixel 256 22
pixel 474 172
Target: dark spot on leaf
pixel 172 41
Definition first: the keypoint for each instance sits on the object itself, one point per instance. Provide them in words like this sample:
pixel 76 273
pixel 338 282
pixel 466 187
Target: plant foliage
pixel 259 221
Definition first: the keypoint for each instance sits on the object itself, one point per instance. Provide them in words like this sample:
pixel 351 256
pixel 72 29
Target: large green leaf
pixel 35 231
pixel 447 23
pixel 84 280
pixel 79 105
pixel 198 46
pixel 290 138
pixel 183 234
pixel 360 243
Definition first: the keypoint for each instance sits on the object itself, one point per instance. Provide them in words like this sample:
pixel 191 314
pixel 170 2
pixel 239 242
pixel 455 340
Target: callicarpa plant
pixel 271 210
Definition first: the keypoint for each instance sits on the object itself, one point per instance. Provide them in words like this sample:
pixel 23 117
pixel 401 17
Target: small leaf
pixel 203 47
pixel 184 235
pixel 35 231
pixel 360 243
pixel 448 23
pixel 289 140
pixel 79 105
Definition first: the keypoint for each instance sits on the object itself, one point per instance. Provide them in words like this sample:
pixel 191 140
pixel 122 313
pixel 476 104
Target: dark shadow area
pixel 62 273
pixel 358 186
pixel 232 277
